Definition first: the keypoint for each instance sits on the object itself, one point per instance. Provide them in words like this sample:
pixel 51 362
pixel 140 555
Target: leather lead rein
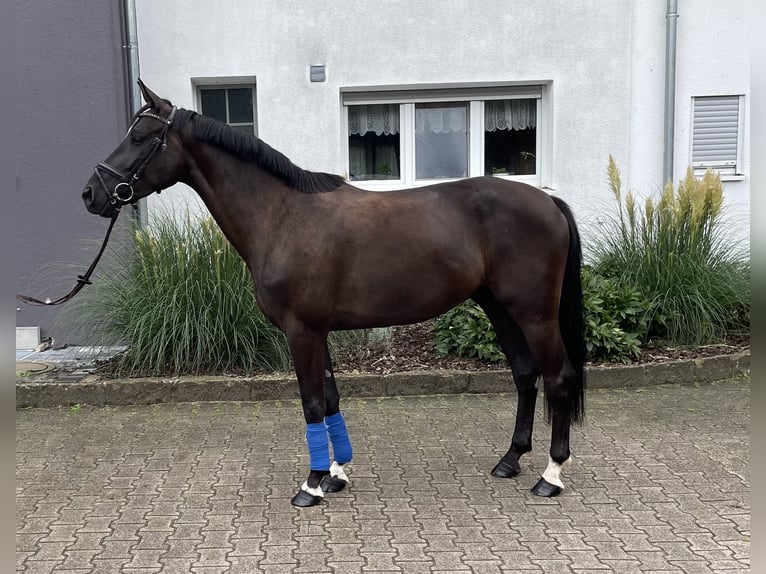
pixel 82 280
pixel 158 143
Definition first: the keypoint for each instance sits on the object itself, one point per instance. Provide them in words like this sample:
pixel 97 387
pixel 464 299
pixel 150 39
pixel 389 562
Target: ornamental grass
pixel 182 300
pixel 676 249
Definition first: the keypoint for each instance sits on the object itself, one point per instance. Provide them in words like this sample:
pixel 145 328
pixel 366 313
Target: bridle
pixel 121 194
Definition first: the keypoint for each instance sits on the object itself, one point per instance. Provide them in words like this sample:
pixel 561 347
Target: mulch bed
pixel 412 350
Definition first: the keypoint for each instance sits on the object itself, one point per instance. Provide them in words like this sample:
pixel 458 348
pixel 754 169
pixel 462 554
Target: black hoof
pixel 332 484
pixel 304 499
pixel 545 488
pixel 505 470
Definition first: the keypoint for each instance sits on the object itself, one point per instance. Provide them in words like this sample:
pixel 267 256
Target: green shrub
pixel 465 331
pixel 616 318
pixel 615 322
pixel 183 301
pixel 677 253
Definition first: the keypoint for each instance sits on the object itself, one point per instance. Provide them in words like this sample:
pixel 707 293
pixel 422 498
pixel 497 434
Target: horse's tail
pixel 571 320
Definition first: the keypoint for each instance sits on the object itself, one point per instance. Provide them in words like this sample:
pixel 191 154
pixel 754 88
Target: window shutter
pixel 715 131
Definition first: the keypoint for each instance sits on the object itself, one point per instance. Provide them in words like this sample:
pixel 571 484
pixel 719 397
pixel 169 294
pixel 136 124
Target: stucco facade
pixel 603 65
pixel 600 67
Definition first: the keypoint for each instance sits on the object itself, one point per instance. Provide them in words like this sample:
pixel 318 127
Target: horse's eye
pixel 136 139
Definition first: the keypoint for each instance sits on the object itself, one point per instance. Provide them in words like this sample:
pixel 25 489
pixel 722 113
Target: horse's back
pixel 472 221
pixel 502 214
pixel 479 200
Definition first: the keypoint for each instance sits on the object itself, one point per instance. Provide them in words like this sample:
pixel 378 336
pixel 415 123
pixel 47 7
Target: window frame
pixel 726 170
pixel 474 95
pixel 227 83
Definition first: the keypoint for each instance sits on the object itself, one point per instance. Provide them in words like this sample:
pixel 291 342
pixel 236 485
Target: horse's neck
pixel 240 196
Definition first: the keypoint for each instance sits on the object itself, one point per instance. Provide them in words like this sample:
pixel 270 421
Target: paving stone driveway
pixel 659 484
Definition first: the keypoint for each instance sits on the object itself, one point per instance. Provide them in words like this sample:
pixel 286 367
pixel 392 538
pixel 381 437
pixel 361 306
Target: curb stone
pixel 92 390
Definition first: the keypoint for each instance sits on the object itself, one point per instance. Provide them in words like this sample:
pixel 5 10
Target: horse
pixel 325 255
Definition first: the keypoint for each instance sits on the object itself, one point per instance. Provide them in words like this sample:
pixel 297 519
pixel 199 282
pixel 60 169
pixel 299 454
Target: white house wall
pixel 713 59
pixel 604 62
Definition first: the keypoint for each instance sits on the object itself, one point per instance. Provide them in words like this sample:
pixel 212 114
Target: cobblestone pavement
pixel 659 483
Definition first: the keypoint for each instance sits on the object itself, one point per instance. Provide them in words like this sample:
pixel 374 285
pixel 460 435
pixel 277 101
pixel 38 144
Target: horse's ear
pixel 149 96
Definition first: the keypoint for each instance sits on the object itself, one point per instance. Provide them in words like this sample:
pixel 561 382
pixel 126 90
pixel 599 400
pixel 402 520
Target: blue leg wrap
pixel 319 449
pixel 341 445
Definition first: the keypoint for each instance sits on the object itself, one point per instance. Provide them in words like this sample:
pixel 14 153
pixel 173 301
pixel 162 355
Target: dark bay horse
pixel 326 256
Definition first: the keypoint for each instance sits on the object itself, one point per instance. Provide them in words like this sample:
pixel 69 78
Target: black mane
pixel 249 148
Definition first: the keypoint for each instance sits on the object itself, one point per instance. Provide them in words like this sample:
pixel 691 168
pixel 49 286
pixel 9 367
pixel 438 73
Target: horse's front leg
pixel 308 352
pixel 336 428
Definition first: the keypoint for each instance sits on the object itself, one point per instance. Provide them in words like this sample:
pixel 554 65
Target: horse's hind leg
pixel 525 376
pixel 336 428
pixel 559 379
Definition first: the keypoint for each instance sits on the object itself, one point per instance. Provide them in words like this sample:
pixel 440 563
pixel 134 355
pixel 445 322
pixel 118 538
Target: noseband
pixel 122 193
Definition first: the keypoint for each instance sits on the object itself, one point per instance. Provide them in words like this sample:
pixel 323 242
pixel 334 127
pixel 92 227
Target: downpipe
pixel 671 20
pixel 132 73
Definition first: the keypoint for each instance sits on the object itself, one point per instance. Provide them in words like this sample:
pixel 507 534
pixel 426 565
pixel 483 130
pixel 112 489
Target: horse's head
pixel 148 159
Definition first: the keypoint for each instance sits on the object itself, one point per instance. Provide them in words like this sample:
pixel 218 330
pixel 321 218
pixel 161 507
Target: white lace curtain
pixel 441 120
pixel 510 115
pixel 383 119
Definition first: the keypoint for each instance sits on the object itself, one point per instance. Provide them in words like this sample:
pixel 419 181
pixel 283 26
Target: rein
pixel 124 186
pixel 82 280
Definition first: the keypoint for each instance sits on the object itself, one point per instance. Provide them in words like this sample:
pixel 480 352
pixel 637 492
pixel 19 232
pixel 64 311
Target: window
pixel 717 133
pixel 510 137
pixel 441 140
pixel 422 135
pixel 231 104
pixel 373 142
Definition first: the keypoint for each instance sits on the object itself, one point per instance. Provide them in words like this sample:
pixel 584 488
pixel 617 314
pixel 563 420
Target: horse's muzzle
pixel 93 206
pixel 87 199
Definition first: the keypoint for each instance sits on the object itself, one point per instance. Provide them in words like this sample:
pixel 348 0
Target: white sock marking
pixel 337 471
pixel 552 474
pixel 313 491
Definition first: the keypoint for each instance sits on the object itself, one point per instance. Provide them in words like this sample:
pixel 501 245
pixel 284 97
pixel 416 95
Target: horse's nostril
pixel 87 194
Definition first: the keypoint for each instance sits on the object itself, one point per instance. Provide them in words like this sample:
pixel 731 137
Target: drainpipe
pixel 133 92
pixel 671 18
